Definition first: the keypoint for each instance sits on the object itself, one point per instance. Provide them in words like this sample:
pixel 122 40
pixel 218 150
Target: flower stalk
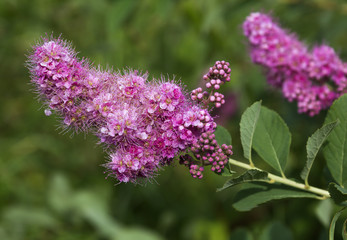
pixel 323 194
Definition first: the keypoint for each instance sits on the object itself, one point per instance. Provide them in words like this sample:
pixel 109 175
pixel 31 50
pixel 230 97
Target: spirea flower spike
pixel 142 124
pixel 313 79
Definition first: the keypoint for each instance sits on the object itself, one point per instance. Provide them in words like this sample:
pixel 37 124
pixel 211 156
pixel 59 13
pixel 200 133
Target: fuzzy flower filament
pixel 65 83
pixel 142 124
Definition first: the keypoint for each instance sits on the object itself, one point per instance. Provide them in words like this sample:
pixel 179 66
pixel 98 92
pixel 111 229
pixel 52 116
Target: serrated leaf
pixel 313 145
pixel 222 136
pixel 333 223
pixel 323 211
pixel 337 193
pixel 248 176
pixel 248 123
pixel 276 230
pixel 272 139
pixel 247 128
pixel 254 194
pixel 335 152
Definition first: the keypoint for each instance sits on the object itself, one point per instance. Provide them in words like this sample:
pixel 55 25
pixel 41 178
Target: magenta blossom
pixel 143 125
pixel 312 79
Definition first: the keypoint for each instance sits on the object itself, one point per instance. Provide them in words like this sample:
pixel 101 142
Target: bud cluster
pixel 196 171
pixel 216 76
pixel 198 94
pixel 207 152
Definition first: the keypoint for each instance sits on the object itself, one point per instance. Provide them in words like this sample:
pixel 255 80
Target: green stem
pixel 251 164
pixel 274 178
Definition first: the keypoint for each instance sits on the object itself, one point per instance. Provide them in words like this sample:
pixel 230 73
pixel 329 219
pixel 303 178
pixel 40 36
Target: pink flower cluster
pixel 313 79
pixel 66 84
pixel 143 124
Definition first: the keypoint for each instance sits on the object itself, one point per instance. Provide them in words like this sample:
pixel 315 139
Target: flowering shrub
pixel 145 125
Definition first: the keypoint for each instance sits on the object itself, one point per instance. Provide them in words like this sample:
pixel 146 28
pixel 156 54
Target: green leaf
pixel 323 211
pixel 333 223
pixel 275 231
pixel 33 216
pixel 241 234
pixel 313 145
pixel 272 139
pixel 337 193
pixel 226 172
pixel 222 136
pixel 93 208
pixel 254 194
pixel 248 176
pixel 335 152
pixel 59 192
pixel 247 128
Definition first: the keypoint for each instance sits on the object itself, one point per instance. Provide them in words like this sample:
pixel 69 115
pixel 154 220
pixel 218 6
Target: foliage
pixel 271 140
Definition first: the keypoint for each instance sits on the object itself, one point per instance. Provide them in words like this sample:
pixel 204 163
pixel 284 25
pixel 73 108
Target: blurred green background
pixel 52 186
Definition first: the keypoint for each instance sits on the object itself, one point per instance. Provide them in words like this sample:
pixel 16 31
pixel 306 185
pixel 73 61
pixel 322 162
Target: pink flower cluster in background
pixel 143 124
pixel 314 79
